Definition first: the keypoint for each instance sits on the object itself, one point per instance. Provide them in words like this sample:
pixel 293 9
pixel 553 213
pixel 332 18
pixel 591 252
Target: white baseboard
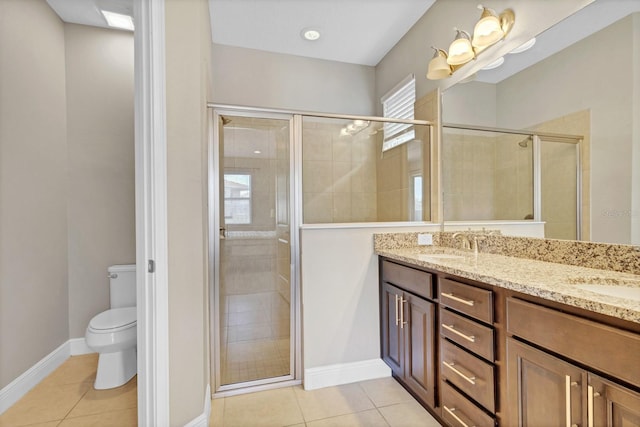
pixel 344 373
pixel 30 378
pixel 202 420
pixel 11 393
pixel 78 346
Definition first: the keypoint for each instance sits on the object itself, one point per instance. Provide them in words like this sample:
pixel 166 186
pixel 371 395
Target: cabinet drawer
pixel 469 334
pixel 467 299
pixel 470 374
pixel 415 281
pixel 605 348
pixel 459 411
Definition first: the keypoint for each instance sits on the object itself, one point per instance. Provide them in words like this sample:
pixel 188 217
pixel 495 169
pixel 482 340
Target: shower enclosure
pixel 270 173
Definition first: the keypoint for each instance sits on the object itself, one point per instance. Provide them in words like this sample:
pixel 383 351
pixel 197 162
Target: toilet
pixel 113 333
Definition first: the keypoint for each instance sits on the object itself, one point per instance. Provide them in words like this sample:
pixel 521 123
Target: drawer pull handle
pixel 468 302
pixel 471 380
pixel 457 418
pixel 451 328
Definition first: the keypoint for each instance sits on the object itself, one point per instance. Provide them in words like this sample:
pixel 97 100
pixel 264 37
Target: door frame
pixel 294 378
pixel 151 214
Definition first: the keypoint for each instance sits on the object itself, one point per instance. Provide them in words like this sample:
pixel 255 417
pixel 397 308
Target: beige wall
pixel 101 214
pixel 187 72
pixel 33 186
pixel 273 80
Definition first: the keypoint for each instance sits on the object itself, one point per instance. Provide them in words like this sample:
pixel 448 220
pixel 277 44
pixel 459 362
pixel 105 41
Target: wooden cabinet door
pixel 611 405
pixel 543 390
pixel 392 339
pixel 419 360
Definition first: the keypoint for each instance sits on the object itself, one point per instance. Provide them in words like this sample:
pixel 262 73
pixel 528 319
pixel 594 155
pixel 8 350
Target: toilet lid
pixel 114 318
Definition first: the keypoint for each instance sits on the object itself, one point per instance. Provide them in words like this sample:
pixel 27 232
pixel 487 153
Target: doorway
pixel 254 286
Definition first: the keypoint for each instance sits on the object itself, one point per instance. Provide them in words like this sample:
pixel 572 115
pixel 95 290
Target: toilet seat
pixel 113 320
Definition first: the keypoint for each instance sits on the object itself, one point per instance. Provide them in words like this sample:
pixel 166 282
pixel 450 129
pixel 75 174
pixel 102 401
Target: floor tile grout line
pixel 76 404
pixel 293 389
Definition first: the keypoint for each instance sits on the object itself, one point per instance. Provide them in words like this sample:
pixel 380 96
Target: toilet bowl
pixel 113 333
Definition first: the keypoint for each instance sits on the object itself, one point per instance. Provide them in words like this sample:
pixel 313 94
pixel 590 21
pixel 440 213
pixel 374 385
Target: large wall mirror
pixel 581 79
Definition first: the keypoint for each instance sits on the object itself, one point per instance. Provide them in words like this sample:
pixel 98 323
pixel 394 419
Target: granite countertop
pixel 551 281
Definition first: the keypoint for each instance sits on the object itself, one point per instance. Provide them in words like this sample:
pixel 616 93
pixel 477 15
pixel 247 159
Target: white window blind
pixel 398 103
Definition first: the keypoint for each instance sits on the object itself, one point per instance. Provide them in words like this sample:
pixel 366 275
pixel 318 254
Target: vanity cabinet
pixel 480 355
pixel 551 389
pixel 408 329
pixel 467 354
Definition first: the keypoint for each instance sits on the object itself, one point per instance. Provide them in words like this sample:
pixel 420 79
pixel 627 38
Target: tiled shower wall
pixel 339 174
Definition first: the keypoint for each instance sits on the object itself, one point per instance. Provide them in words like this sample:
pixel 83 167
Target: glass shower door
pixel 253 291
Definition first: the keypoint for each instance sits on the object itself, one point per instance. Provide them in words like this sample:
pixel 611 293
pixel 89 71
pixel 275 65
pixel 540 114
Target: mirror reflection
pixel 582 79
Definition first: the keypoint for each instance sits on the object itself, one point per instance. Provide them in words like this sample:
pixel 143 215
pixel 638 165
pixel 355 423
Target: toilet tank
pixel 122 285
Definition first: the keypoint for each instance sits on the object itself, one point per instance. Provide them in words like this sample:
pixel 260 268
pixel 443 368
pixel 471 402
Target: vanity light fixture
pixel 118 20
pixel 460 50
pixel 310 34
pixel 438 66
pixel 491 28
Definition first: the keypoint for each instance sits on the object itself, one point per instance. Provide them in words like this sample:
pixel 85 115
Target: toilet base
pixel 116 369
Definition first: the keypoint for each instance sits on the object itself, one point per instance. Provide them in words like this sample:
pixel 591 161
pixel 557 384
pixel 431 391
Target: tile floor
pixel 66 398
pixel 254 336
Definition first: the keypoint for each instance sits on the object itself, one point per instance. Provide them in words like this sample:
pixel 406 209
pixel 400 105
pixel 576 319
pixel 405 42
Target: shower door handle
pixel 223 233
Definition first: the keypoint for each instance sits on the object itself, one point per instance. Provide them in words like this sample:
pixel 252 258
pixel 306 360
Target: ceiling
pixel 87 12
pixel 372 27
pixel 352 31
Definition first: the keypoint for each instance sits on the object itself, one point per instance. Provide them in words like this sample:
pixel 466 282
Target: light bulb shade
pixel 460 50
pixel 438 66
pixel 488 30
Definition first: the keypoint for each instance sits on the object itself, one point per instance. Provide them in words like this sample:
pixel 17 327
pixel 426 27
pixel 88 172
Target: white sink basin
pixel 627 292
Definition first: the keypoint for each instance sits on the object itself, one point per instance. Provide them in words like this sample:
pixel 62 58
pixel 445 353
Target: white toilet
pixel 113 333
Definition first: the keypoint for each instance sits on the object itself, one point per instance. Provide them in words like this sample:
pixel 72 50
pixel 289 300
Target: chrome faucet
pixel 466 244
pixel 469 240
pixel 474 243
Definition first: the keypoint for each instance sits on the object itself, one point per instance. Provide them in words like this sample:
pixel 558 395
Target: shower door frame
pixel 214 225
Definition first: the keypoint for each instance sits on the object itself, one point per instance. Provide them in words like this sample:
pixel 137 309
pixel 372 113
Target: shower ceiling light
pixel 310 34
pixel 117 20
pixel 354 127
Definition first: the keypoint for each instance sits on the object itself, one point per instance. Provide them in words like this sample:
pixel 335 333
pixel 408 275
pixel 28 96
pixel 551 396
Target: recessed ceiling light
pixel 495 64
pixel 257 152
pixel 310 34
pixel 525 46
pixel 117 20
